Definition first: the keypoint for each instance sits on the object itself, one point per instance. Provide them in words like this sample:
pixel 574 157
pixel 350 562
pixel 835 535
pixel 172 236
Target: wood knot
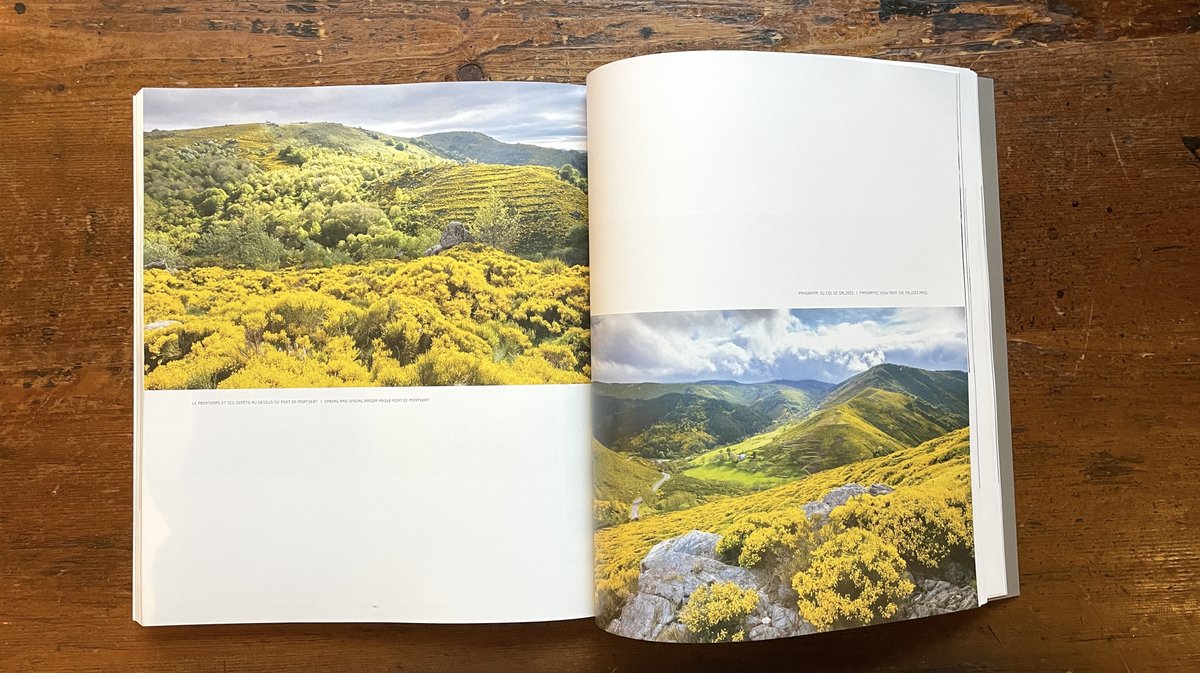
pixel 1192 143
pixel 471 72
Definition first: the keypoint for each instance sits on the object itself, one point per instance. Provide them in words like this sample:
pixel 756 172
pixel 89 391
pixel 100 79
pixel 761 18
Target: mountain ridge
pixel 480 147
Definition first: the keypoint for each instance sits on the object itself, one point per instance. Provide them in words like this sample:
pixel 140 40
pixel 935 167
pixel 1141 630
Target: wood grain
pixel 1098 105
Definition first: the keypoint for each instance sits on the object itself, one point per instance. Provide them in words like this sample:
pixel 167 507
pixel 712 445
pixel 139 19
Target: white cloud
pixel 538 113
pixel 774 344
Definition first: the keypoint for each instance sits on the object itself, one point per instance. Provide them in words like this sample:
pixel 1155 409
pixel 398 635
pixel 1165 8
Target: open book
pixel 726 362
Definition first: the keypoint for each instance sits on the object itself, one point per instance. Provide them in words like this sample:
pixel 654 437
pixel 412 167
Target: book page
pixel 362 358
pixel 784 362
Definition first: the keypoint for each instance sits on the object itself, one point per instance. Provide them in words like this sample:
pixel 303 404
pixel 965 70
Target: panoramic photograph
pixel 761 474
pixel 413 235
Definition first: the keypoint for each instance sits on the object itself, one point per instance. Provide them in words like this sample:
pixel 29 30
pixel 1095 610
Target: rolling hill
pixel 945 390
pixel 552 213
pixel 475 146
pixel 778 400
pixel 857 420
pixel 672 425
pixel 940 465
pixel 262 142
pixel 318 194
pixel 620 477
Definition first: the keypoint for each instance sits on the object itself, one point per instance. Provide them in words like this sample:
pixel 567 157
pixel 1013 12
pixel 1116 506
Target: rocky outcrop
pixel 834 498
pixel 675 568
pixel 935 597
pixel 454 234
pixel 880 489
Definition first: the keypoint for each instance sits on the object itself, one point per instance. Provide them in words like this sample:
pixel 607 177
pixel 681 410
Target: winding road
pixel 637 502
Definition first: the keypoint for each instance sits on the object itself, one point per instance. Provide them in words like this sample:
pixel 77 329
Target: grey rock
pixel 815 509
pixel 159 324
pixel 842 494
pixel 937 597
pixel 834 498
pixel 880 489
pixel 673 633
pixel 643 617
pixel 454 234
pixel 695 543
pixel 675 576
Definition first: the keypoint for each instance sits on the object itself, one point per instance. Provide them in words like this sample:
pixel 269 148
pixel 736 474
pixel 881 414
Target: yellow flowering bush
pixel 714 613
pixel 452 319
pixel 766 535
pixel 928 525
pixel 853 579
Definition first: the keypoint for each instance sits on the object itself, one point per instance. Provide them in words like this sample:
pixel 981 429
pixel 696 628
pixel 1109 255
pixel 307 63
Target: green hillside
pixel 621 476
pixel 672 425
pixel 475 146
pixel 552 213
pixel 863 422
pixel 317 194
pixel 827 438
pixel 946 390
pixel 262 142
pixel 779 400
pixel 940 465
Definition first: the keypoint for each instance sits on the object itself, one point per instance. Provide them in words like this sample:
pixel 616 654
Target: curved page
pixel 781 354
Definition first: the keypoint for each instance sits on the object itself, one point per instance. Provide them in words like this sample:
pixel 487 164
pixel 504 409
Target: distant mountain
pixel 778 400
pixel 882 410
pixel 672 425
pixel 475 146
pixel 946 390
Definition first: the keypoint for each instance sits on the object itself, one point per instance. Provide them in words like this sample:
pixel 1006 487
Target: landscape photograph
pixel 414 235
pixel 761 474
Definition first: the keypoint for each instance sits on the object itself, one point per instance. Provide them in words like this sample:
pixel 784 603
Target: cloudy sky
pixel 538 113
pixel 768 345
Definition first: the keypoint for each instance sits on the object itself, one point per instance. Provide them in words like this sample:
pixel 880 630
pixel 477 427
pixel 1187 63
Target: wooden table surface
pixel 1098 106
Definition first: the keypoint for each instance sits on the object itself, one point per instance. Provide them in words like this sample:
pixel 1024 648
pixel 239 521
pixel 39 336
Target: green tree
pixel 495 224
pixel 348 218
pixel 211 201
pixel 292 156
pixel 235 244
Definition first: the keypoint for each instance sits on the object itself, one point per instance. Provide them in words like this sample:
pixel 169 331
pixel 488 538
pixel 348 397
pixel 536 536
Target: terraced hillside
pixel 552 213
pixel 317 194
